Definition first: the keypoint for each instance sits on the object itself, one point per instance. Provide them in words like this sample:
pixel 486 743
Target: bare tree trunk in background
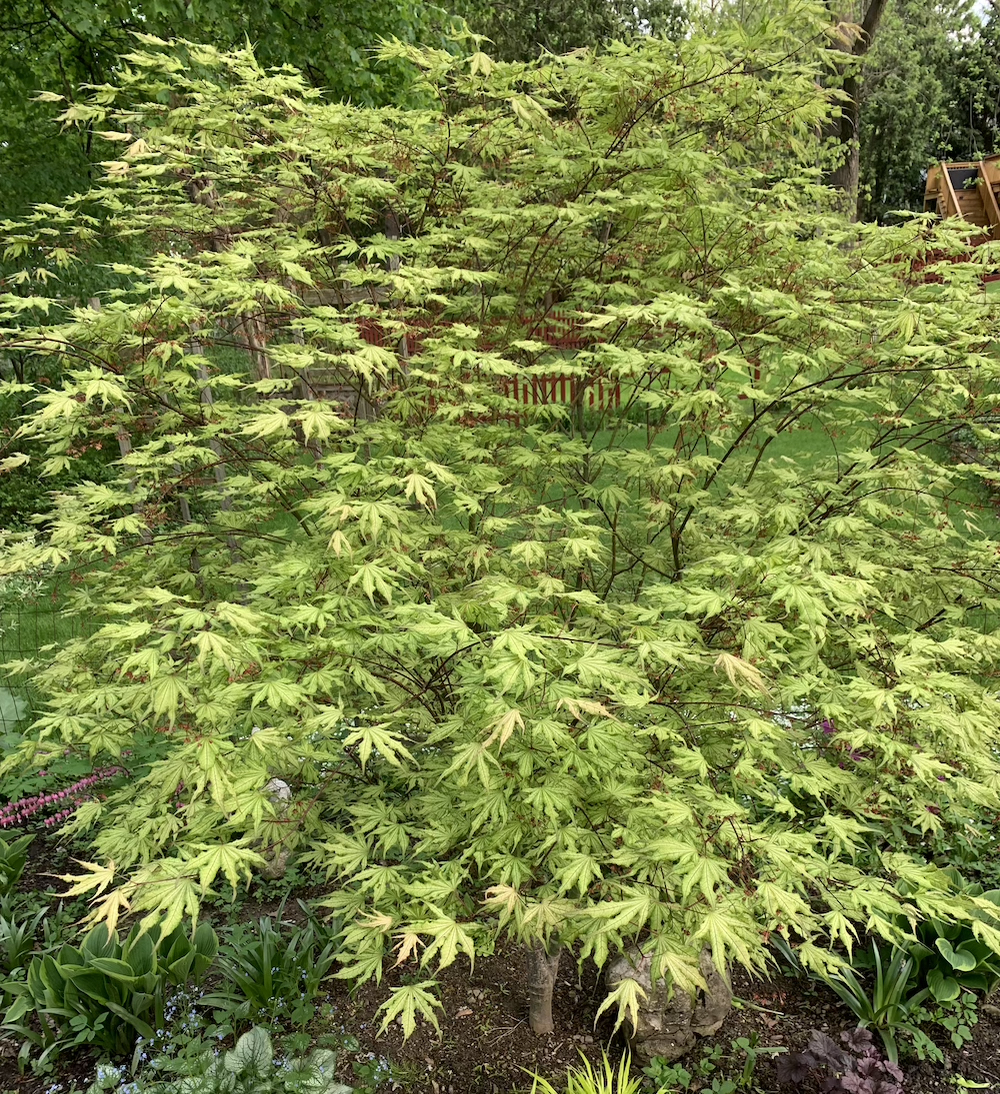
pixel 219 469
pixel 196 348
pixel 251 329
pixel 543 964
pixel 124 439
pixel 846 129
pixel 251 333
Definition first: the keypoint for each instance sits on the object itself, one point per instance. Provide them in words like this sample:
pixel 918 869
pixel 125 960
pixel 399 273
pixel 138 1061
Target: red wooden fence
pixel 559 332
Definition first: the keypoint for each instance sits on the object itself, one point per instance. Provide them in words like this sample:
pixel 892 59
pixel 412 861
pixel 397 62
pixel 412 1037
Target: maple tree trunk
pixel 251 333
pixel 543 964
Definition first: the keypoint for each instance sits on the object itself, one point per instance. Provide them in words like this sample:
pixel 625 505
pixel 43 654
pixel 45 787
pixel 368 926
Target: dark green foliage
pixel 13 859
pixel 912 106
pixel 57 45
pixel 976 96
pixel 519 30
pixel 274 970
pixel 104 992
pixel 888 1008
pixel 17 940
pixel 890 1005
pixel 250 1067
pixel 25 493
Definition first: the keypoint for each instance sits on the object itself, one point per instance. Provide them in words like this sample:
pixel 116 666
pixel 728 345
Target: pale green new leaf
pixel 406 1003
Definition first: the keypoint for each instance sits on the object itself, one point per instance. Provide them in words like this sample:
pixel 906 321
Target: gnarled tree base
pixel 543 964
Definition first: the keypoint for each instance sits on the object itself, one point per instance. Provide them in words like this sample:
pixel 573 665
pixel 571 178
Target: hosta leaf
pixel 959 959
pixel 944 989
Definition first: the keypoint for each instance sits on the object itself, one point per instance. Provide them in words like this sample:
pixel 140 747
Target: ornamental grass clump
pixel 615 589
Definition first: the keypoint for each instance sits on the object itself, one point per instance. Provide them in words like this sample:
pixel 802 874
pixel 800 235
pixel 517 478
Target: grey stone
pixel 668 1025
pixel 277 865
pixel 281 794
pixel 279 791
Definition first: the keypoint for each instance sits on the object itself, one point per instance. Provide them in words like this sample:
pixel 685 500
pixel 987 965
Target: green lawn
pixel 32 616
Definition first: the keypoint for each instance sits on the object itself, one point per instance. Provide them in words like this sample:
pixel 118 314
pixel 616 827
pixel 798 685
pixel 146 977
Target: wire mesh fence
pixel 34 615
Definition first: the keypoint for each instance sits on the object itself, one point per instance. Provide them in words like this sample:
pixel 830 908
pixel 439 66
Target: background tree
pixel 912 101
pixel 977 92
pixel 520 29
pixel 59 45
pixel 854 36
pixel 852 30
pixel 664 667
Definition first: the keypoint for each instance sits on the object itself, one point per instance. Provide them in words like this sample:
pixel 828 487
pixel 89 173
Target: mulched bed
pixel 486 1047
pixel 783 1010
pixel 486 1042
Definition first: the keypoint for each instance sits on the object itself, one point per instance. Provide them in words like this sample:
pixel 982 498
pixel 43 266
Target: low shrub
pixel 104 992
pixel 251 1067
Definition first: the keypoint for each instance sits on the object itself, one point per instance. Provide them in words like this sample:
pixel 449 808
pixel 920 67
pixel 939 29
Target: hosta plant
pixel 544 485
pixel 105 992
pixel 13 859
pixel 949 957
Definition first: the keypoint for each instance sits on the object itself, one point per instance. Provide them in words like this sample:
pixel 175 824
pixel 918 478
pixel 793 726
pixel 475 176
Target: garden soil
pixel 486 1047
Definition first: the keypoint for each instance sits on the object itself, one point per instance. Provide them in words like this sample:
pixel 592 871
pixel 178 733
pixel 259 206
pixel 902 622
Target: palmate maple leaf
pixel 99 878
pixel 407 947
pixel 107 910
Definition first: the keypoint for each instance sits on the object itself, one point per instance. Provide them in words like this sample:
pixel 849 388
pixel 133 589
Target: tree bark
pixel 847 128
pixel 124 439
pixel 543 964
pixel 846 176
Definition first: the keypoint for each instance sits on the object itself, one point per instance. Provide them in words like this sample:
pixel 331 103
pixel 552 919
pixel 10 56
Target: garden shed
pixel 968 190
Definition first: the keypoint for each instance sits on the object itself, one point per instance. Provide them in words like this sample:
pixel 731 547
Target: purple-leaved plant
pixel 853 1067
